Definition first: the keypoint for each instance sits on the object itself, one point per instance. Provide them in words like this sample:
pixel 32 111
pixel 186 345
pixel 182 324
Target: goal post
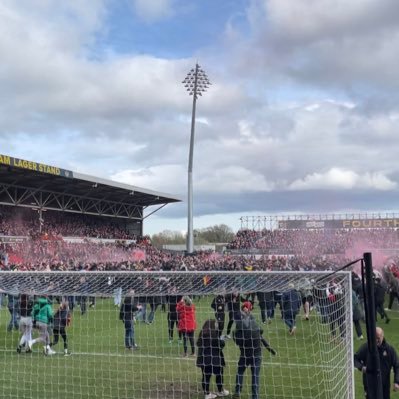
pixel 108 360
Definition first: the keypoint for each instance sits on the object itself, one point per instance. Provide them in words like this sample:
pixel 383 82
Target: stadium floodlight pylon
pixel 315 362
pixel 196 83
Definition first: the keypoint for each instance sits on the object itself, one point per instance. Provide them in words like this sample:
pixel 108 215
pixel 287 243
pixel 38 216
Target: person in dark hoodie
pixel 248 337
pixel 62 320
pixel 388 361
pixel 127 315
pixel 210 358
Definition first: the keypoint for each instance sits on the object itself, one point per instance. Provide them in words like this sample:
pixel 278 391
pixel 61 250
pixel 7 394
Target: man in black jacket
pixel 388 360
pixel 248 336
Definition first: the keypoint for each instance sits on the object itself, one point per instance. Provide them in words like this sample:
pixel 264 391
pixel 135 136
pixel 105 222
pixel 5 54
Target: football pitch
pixel 100 366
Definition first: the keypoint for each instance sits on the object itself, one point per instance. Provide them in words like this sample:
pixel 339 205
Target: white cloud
pixel 154 10
pixel 341 179
pixel 317 20
pixel 324 44
pixel 232 180
pixel 165 178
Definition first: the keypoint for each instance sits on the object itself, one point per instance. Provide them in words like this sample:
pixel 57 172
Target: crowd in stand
pixel 293 249
pixel 322 241
pixel 55 225
pixel 61 256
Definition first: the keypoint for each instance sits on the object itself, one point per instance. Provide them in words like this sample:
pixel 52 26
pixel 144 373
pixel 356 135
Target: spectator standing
pixel 391 276
pixel 126 314
pixel 62 320
pixel 388 361
pixel 218 305
pixel 248 337
pixel 25 322
pixel 172 316
pixel 307 297
pixel 117 292
pixel 210 358
pixel 379 295
pixel 13 308
pixel 142 315
pixel 357 314
pixel 154 302
pixel 393 293
pixel 233 302
pixel 358 288
pixel 82 299
pixel 336 309
pixel 266 305
pixel 291 304
pixel 187 323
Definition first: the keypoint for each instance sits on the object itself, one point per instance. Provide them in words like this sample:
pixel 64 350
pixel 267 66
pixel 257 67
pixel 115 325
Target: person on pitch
pixel 187 322
pixel 210 358
pixel 248 337
pixel 388 361
pixel 62 320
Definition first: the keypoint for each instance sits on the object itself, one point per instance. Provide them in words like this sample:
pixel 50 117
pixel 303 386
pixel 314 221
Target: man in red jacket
pixel 187 322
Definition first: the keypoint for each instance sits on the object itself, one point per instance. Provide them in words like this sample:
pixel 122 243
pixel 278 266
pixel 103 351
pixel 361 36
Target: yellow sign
pixel 370 223
pixel 37 167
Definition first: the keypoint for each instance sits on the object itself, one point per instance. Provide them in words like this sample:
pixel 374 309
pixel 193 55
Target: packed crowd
pixel 324 241
pixel 60 255
pixel 293 249
pixel 55 225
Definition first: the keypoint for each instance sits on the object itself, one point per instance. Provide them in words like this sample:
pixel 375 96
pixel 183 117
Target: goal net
pixel 106 356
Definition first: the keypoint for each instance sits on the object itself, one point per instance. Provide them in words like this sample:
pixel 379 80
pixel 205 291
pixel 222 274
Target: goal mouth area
pixel 314 362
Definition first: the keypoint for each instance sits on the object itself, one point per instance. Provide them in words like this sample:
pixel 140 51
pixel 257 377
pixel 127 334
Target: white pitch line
pixel 137 355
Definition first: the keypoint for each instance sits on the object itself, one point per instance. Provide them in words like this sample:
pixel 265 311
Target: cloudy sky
pixel 302 115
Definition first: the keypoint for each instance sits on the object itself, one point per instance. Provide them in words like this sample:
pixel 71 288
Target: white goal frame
pixel 330 363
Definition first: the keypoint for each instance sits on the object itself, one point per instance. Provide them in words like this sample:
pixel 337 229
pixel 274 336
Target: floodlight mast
pixel 196 83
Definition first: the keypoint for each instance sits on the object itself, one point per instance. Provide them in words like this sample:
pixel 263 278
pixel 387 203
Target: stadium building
pixel 45 188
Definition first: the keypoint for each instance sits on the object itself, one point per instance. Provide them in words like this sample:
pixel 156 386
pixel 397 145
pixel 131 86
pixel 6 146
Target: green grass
pixel 100 367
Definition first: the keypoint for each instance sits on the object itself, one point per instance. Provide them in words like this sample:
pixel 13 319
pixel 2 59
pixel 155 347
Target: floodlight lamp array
pixel 196 82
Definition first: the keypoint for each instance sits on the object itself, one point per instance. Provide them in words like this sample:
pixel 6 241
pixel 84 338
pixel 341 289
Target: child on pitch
pixel 62 320
pixel 187 322
pixel 127 315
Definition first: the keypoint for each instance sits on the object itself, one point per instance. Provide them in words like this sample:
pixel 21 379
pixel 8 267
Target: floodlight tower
pixel 196 83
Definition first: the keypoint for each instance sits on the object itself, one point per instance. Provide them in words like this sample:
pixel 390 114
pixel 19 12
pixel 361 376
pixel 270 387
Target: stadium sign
pixel 37 167
pixel 386 223
pixel 12 239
